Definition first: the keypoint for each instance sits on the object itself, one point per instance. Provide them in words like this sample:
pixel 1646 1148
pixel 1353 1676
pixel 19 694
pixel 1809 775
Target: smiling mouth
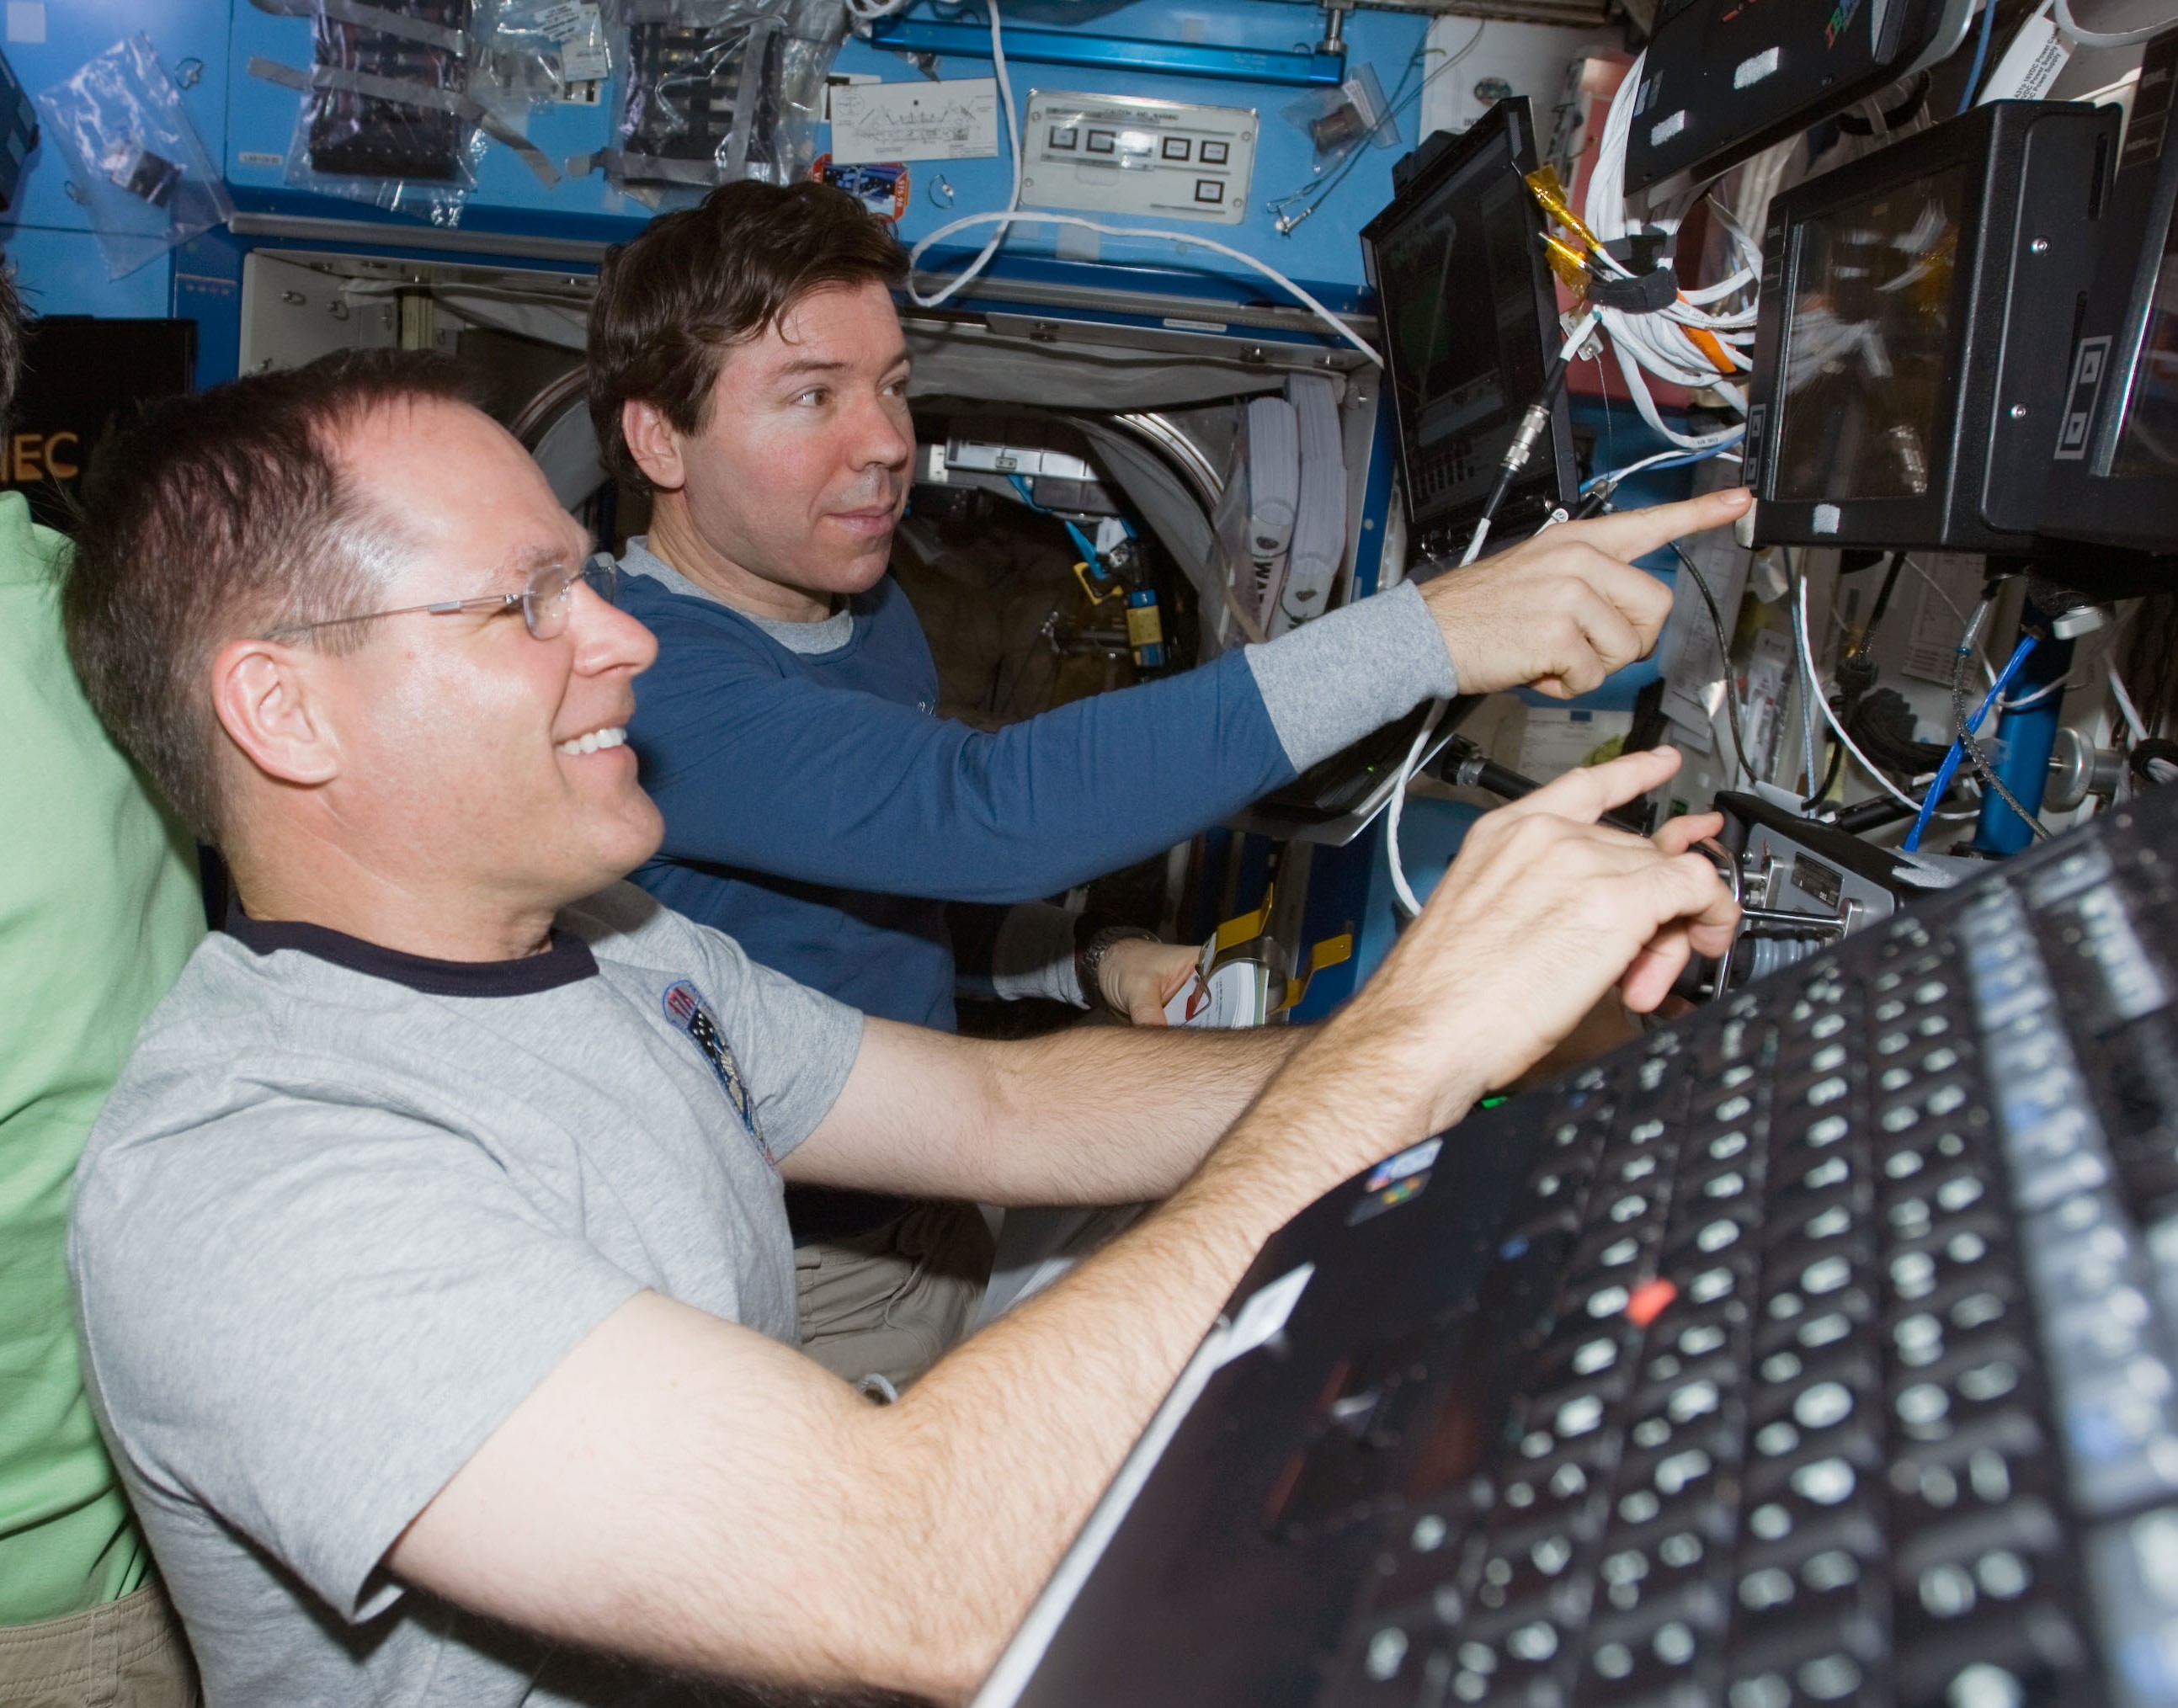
pixel 596 741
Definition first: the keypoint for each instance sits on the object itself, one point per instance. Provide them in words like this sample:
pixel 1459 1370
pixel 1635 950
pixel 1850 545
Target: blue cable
pixel 1948 769
pixel 1981 55
pixel 1596 480
pixel 1082 541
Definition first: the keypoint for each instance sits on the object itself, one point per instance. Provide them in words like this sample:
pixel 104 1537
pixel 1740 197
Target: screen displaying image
pixel 1457 281
pixel 1864 346
pixel 2147 442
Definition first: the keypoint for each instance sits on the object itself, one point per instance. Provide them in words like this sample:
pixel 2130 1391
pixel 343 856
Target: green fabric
pixel 100 905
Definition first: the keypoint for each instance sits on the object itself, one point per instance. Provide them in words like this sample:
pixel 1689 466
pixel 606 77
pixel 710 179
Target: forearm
pixel 1090 1116
pixel 1108 1116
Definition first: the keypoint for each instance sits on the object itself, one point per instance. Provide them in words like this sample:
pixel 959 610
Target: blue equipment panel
pixel 1321 253
pixel 46 234
pixel 510 198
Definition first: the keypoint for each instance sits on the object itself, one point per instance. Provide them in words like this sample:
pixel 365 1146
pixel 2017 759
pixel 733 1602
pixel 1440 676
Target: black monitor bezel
pixel 1551 480
pixel 1915 39
pixel 2081 500
pixel 1971 435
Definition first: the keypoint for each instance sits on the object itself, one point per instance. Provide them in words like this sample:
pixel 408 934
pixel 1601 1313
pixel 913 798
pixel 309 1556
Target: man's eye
pixel 814 396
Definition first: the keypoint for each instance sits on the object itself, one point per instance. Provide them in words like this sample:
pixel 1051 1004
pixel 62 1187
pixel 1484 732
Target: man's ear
pixel 263 694
pixel 654 443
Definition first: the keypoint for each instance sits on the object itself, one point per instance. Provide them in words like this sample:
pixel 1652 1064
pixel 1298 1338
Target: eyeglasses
pixel 545 602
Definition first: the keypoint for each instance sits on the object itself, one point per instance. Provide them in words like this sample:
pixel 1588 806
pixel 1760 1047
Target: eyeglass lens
pixel 550 594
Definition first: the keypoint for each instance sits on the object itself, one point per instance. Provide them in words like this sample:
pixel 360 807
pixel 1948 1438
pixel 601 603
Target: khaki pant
pixel 128 1654
pixel 892 1302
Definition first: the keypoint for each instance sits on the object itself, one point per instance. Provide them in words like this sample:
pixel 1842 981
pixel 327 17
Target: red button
pixel 1648 1301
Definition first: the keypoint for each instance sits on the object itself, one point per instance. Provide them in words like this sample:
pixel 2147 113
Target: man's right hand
pixel 1543 912
pixel 1561 611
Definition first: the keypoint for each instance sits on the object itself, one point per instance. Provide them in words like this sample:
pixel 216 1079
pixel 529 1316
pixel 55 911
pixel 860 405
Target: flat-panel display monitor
pixel 1470 319
pixel 1910 349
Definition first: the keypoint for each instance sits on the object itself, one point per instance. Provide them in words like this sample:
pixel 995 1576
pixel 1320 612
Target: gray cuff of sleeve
pixel 1034 955
pixel 1329 683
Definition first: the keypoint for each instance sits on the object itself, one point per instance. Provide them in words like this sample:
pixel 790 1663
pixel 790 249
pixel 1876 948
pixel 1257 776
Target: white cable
pixel 1660 344
pixel 2129 711
pixel 1815 694
pixel 1026 217
pixel 2095 38
pixel 1618 477
pixel 1403 892
pixel 1811 689
pixel 1014 215
pixel 1013 201
pixel 2035 699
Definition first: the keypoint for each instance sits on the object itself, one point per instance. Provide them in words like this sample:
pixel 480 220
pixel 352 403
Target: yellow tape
pixel 1144 628
pixel 1568 263
pixel 1328 953
pixel 1543 184
pixel 1247 926
pixel 1082 575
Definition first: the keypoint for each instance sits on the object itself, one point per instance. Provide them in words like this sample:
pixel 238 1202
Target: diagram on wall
pixel 875 122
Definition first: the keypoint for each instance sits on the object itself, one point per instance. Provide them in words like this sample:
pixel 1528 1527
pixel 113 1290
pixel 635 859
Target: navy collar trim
pixel 566 961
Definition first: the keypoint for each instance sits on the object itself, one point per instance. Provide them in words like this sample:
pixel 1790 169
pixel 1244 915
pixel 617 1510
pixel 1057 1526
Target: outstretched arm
pixel 777 775
pixel 681 1489
pixel 1089 1115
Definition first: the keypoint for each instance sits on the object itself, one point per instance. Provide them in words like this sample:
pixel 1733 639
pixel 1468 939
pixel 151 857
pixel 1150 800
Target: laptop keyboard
pixel 1856 1382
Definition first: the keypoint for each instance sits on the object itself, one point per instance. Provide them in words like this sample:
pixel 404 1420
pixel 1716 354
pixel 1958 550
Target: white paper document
pixel 1235 994
pixel 873 121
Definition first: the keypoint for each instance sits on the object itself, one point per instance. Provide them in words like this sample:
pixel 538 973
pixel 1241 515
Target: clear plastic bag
pixel 719 90
pixel 134 161
pixel 391 113
pixel 1338 120
pixel 534 52
pixel 383 118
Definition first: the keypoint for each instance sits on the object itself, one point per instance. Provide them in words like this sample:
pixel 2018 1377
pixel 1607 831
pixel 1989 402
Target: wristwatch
pixel 1089 958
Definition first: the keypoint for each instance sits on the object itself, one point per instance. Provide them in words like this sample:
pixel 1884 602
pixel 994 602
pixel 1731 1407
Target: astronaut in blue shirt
pixel 747 367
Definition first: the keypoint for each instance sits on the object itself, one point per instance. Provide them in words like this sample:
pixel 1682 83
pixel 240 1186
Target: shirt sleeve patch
pixel 685 1006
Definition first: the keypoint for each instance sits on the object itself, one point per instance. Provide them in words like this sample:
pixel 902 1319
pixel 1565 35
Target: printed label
pixel 1410 1161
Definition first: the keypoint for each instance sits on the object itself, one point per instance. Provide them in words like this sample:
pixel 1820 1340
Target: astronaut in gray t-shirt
pixel 435 1292
pixel 451 1172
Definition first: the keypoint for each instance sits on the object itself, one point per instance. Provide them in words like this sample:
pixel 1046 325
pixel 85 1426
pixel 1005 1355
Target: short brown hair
pixel 11 345
pixel 692 284
pixel 209 517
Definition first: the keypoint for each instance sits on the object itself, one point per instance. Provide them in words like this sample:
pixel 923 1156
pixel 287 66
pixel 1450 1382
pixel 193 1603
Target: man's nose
pixel 607 637
pixel 885 435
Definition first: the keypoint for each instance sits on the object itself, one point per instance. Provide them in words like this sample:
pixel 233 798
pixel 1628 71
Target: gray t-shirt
pixel 347 1207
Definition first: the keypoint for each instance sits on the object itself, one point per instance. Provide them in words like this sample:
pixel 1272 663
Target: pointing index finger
pixel 1634 533
pixel 1588 793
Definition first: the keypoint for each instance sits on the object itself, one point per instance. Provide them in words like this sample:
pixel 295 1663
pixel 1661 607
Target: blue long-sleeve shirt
pixel 818 810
